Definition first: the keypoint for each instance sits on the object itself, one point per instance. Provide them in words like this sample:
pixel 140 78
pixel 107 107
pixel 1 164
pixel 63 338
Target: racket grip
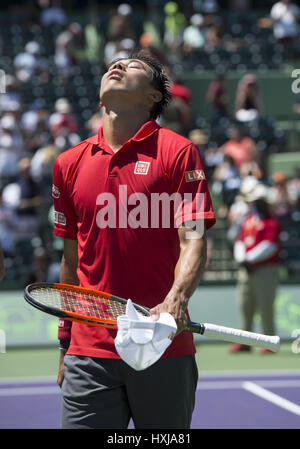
pixel 271 342
pixel 196 328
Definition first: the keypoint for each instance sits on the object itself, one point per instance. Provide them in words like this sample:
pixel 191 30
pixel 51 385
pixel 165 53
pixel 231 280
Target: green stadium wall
pixel 275 88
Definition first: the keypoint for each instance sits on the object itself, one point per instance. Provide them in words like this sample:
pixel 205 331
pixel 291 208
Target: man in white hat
pixel 257 253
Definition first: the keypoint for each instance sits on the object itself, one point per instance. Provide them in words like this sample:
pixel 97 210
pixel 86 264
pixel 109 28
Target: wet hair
pixel 160 80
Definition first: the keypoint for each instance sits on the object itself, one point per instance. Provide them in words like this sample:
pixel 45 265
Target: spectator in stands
pixel 121 24
pixel 296 105
pixel 285 16
pixel 8 227
pixel 293 187
pixel 198 137
pixel 212 157
pixel 240 208
pixel 121 36
pixel 240 5
pixel 30 198
pixel 217 99
pixel 240 147
pixel 194 35
pixel 257 253
pixel 10 134
pixel 27 62
pixel 93 124
pixel 177 116
pixel 248 105
pixel 65 50
pixel 227 174
pixel 10 100
pixel 179 90
pixel 34 125
pixel 25 198
pixel 52 13
pixel 42 162
pixel 43 269
pixel 280 196
pixel 174 26
pixel 63 125
pixel 147 46
pixel 8 162
pixel 62 119
pixel 209 6
pixel 213 38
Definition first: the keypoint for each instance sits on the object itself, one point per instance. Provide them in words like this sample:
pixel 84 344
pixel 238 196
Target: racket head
pixel 78 303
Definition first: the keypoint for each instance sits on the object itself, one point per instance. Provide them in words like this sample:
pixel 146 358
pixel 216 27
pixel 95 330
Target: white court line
pixel 272 397
pixel 234 384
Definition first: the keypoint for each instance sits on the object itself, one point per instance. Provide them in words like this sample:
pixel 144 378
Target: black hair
pixel 160 80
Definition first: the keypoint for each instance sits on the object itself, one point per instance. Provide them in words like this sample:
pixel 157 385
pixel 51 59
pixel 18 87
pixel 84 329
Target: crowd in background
pixel 40 117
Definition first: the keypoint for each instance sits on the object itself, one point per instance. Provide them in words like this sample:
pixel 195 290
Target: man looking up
pixel 157 266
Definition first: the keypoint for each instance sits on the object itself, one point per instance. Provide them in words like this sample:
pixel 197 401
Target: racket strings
pixel 80 303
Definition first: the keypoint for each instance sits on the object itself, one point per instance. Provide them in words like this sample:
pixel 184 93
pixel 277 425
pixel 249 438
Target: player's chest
pixel 117 177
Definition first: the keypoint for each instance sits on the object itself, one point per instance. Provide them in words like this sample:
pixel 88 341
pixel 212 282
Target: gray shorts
pixel 107 393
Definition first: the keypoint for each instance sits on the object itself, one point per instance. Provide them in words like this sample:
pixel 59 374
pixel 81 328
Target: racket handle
pixel 271 342
pixel 196 328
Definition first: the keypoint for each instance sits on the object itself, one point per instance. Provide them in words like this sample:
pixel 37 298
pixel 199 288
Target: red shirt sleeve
pixel 187 178
pixel 65 219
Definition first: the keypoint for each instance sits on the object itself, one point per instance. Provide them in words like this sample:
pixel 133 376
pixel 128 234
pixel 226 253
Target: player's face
pixel 128 80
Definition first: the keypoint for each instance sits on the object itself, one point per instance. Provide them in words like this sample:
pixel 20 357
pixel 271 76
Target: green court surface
pixel 211 357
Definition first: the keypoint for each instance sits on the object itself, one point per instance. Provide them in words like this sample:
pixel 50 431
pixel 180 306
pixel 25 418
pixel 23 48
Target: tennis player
pixel 97 186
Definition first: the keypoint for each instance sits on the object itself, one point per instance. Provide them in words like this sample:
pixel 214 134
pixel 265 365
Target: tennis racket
pixel 97 308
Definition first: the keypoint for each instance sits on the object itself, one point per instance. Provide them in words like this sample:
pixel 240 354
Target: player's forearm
pixel 188 273
pixel 68 272
pixel 69 263
pixel 68 275
pixel 189 268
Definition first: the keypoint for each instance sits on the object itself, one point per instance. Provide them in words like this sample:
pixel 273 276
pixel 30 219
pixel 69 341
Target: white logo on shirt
pixel 141 168
pixel 55 192
pixel 60 218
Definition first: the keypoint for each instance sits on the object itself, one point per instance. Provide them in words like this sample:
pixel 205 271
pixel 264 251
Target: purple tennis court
pixel 223 402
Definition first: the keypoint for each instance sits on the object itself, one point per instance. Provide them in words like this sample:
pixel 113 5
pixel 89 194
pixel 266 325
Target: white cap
pixel 8 122
pixel 248 184
pixel 197 19
pixel 260 192
pixel 127 44
pixel 140 341
pixel 62 105
pixel 32 47
pixel 124 9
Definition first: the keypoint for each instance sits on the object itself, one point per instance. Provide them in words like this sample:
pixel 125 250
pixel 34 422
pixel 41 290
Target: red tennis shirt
pixel 104 200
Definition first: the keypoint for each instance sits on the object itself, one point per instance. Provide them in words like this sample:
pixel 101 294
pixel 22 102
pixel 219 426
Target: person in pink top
pixel 241 148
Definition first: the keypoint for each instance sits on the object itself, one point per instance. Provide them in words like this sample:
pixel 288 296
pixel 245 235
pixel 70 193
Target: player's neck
pixel 120 126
